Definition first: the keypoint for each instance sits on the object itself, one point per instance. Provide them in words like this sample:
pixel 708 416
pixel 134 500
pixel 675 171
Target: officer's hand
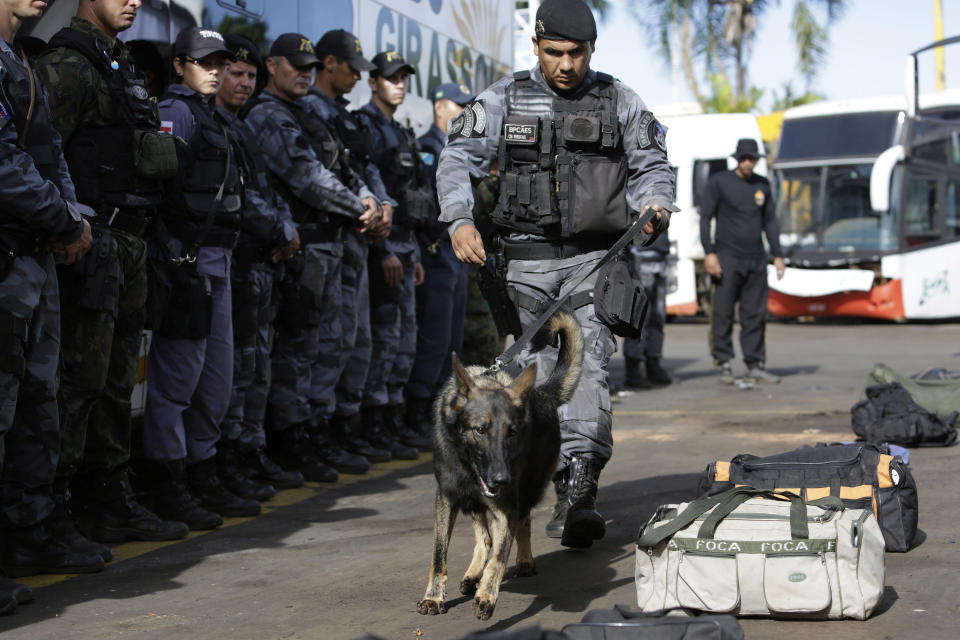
pixel 468 245
pixel 370 215
pixel 72 252
pixel 418 274
pixel 712 264
pixel 392 270
pixel 386 214
pixel 287 251
pixel 651 226
pixel 780 266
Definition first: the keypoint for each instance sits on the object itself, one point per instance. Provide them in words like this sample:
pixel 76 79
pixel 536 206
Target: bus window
pixel 952 213
pixel 848 218
pixel 920 210
pixel 798 200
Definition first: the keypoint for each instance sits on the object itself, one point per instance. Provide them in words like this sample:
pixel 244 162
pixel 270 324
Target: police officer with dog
pixel 578 153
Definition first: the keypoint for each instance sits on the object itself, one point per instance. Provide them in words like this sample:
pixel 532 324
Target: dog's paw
pixel 525 570
pixel 431 607
pixel 468 586
pixel 483 608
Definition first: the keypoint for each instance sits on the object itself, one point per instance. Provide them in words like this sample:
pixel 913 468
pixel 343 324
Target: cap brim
pixel 203 52
pixel 303 59
pixel 359 63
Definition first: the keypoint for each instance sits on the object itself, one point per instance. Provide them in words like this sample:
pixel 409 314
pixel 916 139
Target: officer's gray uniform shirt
pixel 650 179
pixel 586 419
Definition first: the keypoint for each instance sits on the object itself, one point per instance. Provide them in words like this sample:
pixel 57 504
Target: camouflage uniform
pixel 103 295
pixel 35 188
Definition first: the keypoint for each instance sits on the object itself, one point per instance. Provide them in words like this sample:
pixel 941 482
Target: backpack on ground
pixel 749 552
pixel 862 475
pixel 889 414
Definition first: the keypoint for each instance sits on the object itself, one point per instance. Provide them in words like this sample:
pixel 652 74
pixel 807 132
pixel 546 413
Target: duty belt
pixel 132 221
pixel 218 237
pixel 550 250
pixel 32 246
pixel 245 257
pixel 318 233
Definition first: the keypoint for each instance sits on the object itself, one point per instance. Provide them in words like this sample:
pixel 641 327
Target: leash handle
pixel 507 356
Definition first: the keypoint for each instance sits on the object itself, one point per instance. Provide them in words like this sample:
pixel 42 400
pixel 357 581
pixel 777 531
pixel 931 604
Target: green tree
pixel 255 31
pixel 717 36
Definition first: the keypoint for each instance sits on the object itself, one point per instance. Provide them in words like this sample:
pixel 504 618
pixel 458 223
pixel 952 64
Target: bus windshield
pixel 827 210
pixel 844 135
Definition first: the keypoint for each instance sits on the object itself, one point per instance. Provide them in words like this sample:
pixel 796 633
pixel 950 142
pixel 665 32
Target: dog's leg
pixel 444 516
pixel 502 529
pixel 525 564
pixel 481 550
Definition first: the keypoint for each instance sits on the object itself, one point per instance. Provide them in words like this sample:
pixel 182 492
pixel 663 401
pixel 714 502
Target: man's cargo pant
pixel 585 421
pixel 29 356
pixel 355 340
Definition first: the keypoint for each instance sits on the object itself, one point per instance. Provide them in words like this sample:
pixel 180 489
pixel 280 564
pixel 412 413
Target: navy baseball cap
pixel 388 63
pixel 296 48
pixel 452 91
pixel 344 44
pixel 199 43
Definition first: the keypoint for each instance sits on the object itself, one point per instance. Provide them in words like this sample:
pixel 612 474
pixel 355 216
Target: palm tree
pixel 719 35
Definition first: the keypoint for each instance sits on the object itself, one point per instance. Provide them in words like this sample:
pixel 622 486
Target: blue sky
pixel 868 47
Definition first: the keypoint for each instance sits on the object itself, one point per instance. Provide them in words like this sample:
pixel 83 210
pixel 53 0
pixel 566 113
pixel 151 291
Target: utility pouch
pixel 619 300
pixel 596 195
pixel 581 130
pixel 94 282
pixel 13 333
pixel 155 154
pixel 502 308
pixel 420 207
pixel 189 311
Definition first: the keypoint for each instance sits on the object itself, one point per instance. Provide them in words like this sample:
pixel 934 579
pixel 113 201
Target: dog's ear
pixel 464 381
pixel 522 384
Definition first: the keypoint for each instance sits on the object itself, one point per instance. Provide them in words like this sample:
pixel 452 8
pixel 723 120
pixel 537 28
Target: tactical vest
pixel 104 159
pixel 39 140
pixel 351 136
pixel 564 175
pixel 401 170
pixel 203 163
pixel 253 168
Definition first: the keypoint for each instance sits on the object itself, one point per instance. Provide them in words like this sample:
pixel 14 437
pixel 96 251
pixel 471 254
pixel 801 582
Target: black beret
pixel 565 20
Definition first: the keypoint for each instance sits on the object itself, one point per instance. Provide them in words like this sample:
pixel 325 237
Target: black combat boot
pixel 64 523
pixel 38 549
pixel 172 499
pixel 561 485
pixel 420 416
pixel 113 514
pixel 260 468
pixel 295 451
pixel 584 523
pixel 13 594
pixel 377 434
pixel 234 476
pixel 211 494
pixel 636 374
pixel 656 373
pixel 348 432
pixel 396 415
pixel 330 453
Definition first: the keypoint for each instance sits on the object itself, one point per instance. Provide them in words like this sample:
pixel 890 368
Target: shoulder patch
pixel 470 123
pixel 166 126
pixel 427 158
pixel 650 133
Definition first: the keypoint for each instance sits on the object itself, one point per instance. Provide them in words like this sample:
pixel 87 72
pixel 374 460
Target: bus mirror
pixel 910 84
pixel 880 177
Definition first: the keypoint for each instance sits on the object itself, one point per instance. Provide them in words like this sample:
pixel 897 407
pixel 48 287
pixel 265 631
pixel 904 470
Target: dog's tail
pixel 566 375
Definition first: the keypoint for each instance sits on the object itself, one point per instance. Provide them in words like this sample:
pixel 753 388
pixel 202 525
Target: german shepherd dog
pixel 496 442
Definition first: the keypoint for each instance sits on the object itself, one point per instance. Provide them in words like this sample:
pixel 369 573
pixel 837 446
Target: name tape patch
pixel 520 133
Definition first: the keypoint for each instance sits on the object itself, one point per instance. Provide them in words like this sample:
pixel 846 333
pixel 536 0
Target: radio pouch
pixel 502 308
pixel 619 300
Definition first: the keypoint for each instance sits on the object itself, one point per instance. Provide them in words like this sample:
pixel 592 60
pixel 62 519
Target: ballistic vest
pixel 252 166
pixel 204 165
pixel 563 175
pixel 39 140
pixel 352 138
pixel 401 169
pixel 103 159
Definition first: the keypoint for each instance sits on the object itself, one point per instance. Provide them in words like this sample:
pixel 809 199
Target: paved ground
pixel 340 561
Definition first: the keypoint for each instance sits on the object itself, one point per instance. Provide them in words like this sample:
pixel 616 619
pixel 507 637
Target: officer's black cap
pixel 747 147
pixel 565 20
pixel 244 50
pixel 296 48
pixel 388 63
pixel 344 44
pixel 199 43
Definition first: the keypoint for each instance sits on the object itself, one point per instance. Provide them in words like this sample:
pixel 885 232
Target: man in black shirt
pixel 741 202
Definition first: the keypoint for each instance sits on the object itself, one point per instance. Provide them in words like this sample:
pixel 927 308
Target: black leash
pixel 507 356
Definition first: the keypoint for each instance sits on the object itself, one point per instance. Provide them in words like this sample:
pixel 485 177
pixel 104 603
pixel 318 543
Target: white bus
pixel 868 199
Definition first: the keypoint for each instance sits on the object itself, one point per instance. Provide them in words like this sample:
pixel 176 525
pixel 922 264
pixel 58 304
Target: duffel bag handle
pixel 737 496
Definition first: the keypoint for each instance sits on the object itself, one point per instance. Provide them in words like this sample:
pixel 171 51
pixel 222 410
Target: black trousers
pixel 745 281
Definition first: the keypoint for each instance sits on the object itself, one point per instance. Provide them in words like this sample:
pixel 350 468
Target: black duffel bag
pixel 862 475
pixel 620 623
pixel 889 414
